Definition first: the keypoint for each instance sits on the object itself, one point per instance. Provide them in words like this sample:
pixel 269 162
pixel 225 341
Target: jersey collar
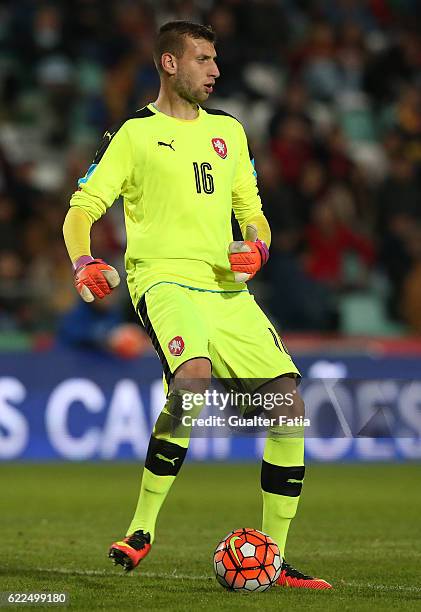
pixel 158 112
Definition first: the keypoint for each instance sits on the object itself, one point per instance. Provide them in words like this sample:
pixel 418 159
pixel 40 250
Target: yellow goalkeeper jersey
pixel 180 181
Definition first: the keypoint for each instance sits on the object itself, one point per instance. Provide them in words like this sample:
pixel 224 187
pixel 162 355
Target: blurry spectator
pixel 294 103
pixel 352 56
pixel 6 171
pixel 230 51
pixel 333 153
pixel 277 199
pixel 319 63
pixel 328 241
pixel 396 258
pixel 410 302
pixel 399 193
pixel 310 188
pixel 15 310
pixel 408 122
pixel 297 301
pixel 99 325
pixel 397 65
pixel 340 11
pixel 398 209
pixel 264 28
pixel 57 81
pixel 292 148
pixel 8 223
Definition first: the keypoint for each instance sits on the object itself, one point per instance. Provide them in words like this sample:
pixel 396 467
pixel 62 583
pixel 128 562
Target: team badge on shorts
pixel 176 346
pixel 220 147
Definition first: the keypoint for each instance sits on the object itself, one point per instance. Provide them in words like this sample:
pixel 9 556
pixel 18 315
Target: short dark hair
pixel 171 36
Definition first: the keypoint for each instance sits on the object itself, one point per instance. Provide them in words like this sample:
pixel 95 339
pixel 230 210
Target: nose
pixel 214 71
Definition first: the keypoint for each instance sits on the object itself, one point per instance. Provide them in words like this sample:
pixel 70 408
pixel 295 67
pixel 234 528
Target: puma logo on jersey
pixel 166 144
pixel 167 459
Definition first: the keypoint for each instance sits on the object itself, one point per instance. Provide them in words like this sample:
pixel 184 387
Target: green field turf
pixel 357 526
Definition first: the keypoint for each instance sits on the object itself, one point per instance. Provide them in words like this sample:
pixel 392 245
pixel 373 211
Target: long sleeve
pixel 77 233
pixel 104 181
pixel 106 178
pixel 246 201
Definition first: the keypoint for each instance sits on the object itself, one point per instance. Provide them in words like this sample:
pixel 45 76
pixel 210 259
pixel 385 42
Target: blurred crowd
pixel 330 94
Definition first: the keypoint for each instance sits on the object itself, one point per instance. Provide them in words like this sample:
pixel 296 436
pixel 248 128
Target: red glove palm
pixel 94 278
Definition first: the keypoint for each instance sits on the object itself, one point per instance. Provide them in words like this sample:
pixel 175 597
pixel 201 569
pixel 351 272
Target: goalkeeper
pixel 182 170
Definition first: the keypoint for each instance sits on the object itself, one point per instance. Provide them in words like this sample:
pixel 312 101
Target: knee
pixel 292 404
pixel 291 408
pixel 298 407
pixel 193 375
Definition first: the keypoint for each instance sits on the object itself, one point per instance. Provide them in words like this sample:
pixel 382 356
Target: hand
pixel 247 256
pixel 94 278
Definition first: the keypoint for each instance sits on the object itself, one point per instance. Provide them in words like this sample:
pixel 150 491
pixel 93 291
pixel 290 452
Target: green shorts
pixel 228 328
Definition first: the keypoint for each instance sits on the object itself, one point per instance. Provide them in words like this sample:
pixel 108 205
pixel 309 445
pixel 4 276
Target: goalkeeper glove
pixel 94 278
pixel 247 256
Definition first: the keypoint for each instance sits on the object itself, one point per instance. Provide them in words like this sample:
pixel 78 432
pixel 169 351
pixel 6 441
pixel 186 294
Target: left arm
pixel 246 201
pixel 248 256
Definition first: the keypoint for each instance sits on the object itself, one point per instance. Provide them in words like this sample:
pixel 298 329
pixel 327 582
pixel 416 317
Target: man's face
pixel 196 70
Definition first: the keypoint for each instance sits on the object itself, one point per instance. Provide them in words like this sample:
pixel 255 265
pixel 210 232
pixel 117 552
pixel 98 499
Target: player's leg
pixel 168 444
pixel 282 471
pixel 282 475
pixel 180 339
pixel 248 347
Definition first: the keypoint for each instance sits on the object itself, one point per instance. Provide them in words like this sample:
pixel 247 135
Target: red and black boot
pixel 130 551
pixel 291 577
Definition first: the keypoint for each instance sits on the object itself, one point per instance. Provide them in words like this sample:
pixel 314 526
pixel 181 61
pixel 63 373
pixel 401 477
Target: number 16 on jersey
pixel 203 178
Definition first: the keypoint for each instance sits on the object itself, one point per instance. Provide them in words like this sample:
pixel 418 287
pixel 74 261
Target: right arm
pixel 104 181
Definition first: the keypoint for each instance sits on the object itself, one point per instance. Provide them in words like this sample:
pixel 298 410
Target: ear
pixel 169 63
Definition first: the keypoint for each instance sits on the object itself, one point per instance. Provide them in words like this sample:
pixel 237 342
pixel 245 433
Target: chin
pixel 195 99
pixel 202 98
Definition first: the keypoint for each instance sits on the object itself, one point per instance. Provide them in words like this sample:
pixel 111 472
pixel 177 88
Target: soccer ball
pixel 247 560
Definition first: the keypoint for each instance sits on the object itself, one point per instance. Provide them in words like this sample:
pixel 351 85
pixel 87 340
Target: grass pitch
pixel 358 526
